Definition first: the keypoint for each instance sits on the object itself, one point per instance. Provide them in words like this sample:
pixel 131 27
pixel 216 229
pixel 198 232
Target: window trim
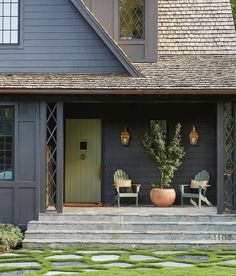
pixel 20 43
pixel 133 40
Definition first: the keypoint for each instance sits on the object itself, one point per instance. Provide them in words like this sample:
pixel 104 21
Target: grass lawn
pixel 199 262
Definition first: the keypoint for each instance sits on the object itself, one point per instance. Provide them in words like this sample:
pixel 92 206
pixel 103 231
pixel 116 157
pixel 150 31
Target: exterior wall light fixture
pixel 193 137
pixel 124 137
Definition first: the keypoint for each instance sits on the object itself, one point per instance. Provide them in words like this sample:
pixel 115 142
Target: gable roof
pixel 196 55
pixel 106 38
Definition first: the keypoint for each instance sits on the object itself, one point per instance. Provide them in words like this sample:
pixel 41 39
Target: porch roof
pixel 184 74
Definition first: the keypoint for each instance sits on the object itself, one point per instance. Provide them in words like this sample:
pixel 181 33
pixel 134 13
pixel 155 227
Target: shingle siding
pixel 195 27
pixel 56 38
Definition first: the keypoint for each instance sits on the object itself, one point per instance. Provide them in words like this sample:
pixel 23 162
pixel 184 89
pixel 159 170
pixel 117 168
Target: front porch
pixel 69 119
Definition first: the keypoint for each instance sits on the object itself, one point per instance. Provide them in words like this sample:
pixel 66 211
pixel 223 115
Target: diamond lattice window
pixel 132 19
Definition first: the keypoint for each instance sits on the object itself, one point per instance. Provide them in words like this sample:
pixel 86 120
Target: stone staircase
pixel 133 229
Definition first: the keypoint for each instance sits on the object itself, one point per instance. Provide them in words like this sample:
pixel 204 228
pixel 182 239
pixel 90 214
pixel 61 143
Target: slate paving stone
pixel 18 272
pixel 104 258
pixel 64 257
pixel 57 251
pixel 101 251
pixel 22 264
pixel 168 252
pixel 60 273
pixel 227 256
pixel 142 258
pixel 69 264
pixel 193 258
pixel 231 262
pixel 31 251
pixel 91 270
pixel 11 255
pixel 173 264
pixel 118 265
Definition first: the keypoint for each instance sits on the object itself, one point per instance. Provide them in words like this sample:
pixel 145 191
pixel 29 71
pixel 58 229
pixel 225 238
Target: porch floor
pixel 142 210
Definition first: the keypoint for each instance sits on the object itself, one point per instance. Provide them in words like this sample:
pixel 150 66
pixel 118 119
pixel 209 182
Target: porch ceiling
pixel 180 74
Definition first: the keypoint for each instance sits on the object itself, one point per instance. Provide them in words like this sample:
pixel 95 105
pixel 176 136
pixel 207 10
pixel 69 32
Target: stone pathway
pixel 71 262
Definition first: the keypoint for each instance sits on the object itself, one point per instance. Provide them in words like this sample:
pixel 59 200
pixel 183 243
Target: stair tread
pixel 129 231
pixel 136 223
pixel 129 241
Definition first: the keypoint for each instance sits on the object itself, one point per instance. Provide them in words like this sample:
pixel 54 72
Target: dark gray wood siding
pixel 54 37
pixel 19 198
pixel 135 161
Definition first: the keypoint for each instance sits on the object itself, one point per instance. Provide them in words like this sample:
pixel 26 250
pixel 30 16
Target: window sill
pixel 131 41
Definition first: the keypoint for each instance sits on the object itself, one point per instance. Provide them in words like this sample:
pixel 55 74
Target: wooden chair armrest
pixel 137 187
pixel 117 188
pixel 182 187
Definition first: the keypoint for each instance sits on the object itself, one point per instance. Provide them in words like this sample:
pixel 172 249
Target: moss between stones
pixel 213 266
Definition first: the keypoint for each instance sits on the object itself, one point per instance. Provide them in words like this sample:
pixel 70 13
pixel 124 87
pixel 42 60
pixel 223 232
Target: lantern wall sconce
pixel 193 137
pixel 124 137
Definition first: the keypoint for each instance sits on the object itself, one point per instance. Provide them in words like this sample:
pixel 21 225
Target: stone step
pixel 136 218
pixel 133 226
pixel 113 235
pixel 167 244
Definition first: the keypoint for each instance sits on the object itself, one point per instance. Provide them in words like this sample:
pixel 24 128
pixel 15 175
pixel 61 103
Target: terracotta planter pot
pixel 162 197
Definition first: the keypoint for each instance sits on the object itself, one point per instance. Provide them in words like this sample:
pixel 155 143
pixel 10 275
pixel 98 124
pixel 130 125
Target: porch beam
pixel 220 157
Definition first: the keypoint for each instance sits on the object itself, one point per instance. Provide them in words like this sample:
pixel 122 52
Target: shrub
pixel 10 236
pixel 167 157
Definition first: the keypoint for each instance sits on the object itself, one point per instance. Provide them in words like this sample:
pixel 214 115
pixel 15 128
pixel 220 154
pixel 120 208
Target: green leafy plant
pixel 10 236
pixel 167 157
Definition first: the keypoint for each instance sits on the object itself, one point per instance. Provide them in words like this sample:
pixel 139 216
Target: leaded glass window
pixel 6 142
pixel 132 19
pixel 9 21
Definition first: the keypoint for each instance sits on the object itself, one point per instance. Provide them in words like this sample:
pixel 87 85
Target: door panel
pixel 83 160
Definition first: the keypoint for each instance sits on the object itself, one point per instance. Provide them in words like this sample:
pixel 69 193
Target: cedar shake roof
pixel 195 27
pixel 196 51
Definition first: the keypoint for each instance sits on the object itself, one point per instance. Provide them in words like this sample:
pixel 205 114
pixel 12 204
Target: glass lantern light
pixel 193 137
pixel 124 137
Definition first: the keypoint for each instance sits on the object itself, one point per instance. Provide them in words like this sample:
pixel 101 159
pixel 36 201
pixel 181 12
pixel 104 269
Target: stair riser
pixel 138 218
pixel 113 244
pixel 131 236
pixel 131 227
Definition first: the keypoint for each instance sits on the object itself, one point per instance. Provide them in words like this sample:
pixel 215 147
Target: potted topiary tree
pixel 167 159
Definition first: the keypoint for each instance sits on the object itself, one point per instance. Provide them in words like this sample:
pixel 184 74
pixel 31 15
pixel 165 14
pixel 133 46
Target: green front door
pixel 83 161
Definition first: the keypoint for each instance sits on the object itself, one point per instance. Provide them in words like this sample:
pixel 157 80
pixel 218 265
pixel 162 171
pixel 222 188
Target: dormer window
pixel 9 17
pixel 131 19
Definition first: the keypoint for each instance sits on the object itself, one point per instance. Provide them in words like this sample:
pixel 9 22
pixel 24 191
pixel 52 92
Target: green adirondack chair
pixel 201 194
pixel 121 181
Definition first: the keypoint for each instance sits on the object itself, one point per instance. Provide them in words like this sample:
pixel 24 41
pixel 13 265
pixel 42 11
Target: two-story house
pixel 74 74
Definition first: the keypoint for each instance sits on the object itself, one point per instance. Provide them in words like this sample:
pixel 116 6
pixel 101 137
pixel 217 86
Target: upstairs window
pixel 132 19
pixel 6 142
pixel 9 21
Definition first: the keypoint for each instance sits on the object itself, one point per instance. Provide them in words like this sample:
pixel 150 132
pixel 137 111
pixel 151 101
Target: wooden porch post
pixel 51 135
pixel 60 157
pixel 43 138
pixel 220 157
